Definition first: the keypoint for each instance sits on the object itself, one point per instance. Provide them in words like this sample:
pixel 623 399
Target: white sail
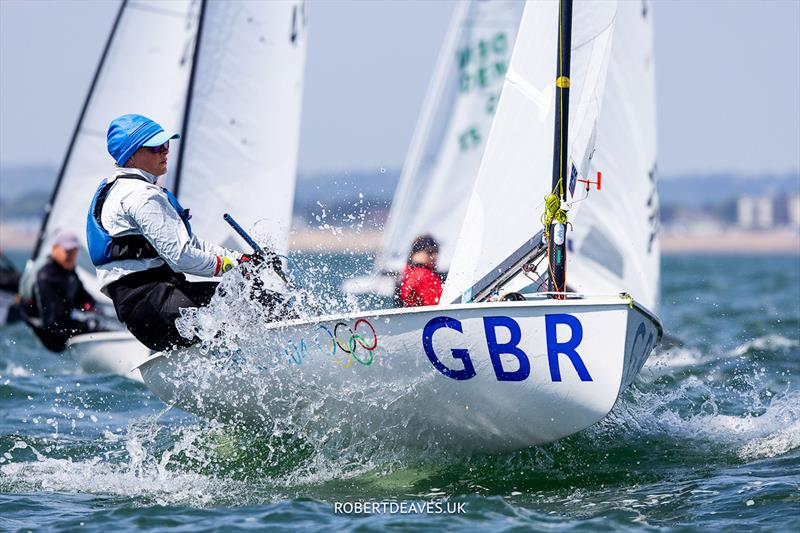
pixel 615 244
pixel 146 71
pixel 243 133
pixel 516 171
pixel 450 136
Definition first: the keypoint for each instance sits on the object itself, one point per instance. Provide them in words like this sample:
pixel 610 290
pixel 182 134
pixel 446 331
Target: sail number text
pixel 556 351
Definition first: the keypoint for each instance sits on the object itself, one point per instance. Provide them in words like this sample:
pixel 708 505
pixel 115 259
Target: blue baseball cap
pixel 128 133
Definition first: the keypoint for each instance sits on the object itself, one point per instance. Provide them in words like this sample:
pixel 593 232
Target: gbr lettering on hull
pixel 466 370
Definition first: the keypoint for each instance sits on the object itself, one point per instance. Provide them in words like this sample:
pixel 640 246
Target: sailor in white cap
pixel 51 291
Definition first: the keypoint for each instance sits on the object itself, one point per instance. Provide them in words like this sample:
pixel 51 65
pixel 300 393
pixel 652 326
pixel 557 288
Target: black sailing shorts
pixel 149 302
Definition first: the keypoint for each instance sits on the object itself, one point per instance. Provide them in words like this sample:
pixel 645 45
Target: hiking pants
pixel 148 303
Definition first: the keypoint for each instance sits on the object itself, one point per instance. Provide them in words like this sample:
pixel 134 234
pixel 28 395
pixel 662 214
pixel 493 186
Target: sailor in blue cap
pixel 141 242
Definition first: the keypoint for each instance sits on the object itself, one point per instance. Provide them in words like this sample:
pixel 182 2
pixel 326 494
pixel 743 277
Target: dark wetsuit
pixel 9 277
pixel 9 283
pixel 57 292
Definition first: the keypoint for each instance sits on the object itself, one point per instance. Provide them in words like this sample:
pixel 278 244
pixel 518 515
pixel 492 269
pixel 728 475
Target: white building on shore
pixel 755 212
pixel 793 209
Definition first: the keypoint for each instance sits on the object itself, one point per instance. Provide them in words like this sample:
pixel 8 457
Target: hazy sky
pixel 728 80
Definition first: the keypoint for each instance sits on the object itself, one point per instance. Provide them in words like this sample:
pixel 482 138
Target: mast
pixel 49 207
pixel 557 220
pixel 188 101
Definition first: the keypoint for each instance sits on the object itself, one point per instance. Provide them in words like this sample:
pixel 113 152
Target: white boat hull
pixel 476 377
pixel 115 352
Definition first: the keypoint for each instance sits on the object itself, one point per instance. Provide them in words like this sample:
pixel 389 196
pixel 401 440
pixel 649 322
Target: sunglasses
pixel 161 148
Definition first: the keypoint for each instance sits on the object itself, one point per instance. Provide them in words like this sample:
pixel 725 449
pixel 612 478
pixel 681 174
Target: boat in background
pixel 231 74
pixel 241 130
pixel 7 302
pixel 449 139
pixel 507 364
pixel 9 284
pixel 113 352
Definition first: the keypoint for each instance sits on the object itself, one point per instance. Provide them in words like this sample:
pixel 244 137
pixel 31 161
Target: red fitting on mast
pixel 589 183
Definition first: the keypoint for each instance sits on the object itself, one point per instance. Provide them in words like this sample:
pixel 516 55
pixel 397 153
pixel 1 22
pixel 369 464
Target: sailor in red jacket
pixel 421 284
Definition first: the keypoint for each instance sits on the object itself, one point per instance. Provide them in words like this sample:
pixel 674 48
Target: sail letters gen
pixel 462 367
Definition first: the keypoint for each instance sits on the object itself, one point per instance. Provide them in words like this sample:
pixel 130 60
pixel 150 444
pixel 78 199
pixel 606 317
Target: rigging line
pixel 561 100
pixel 188 102
pixel 62 172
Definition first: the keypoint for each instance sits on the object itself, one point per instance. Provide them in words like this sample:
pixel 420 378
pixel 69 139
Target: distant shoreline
pixel 732 241
pixel 785 241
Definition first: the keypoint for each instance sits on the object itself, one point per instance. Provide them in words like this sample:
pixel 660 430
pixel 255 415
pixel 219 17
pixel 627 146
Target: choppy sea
pixel 708 438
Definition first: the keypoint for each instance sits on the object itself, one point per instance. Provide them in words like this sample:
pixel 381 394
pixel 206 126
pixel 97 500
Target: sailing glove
pixel 255 259
pixel 259 258
pixel 224 264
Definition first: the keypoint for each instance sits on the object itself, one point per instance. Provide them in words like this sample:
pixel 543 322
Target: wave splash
pixel 127 467
pixel 742 414
pixel 728 399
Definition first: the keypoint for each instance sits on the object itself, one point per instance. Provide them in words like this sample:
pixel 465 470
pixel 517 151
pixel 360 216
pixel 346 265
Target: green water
pixel 707 438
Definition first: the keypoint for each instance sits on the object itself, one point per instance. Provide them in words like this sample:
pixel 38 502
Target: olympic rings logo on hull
pixel 344 345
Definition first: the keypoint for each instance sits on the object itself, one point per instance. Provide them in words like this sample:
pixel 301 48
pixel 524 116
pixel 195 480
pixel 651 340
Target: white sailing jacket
pixel 136 207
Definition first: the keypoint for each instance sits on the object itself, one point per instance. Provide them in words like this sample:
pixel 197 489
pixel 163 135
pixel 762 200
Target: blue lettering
pixel 648 347
pixel 640 331
pixel 567 348
pixel 459 353
pixel 510 347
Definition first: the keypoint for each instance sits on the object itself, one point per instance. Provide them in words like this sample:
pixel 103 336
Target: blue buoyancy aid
pixel 103 248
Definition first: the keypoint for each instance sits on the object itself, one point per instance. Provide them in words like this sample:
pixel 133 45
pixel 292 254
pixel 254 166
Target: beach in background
pixel 20 236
